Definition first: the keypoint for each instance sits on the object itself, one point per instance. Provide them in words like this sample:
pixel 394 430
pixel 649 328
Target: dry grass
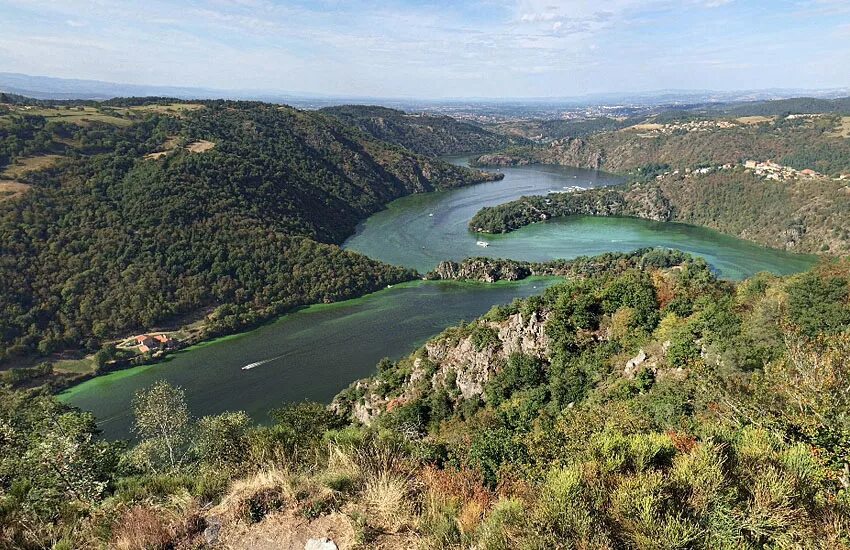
pixel 86 365
pixel 141 528
pixel 200 146
pixel 169 145
pixel 255 494
pixel 753 120
pixel 167 109
pixel 12 189
pixel 387 497
pixel 81 116
pixel 29 164
pixel 843 128
pixel 647 126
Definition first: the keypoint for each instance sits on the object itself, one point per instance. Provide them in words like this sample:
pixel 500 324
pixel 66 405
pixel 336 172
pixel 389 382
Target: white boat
pixel 430 215
pixel 483 244
pixel 250 366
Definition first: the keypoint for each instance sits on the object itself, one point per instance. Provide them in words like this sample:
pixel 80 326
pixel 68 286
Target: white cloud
pixel 509 47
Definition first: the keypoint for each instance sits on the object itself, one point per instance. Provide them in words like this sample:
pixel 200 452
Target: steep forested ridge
pixel 424 134
pixel 112 238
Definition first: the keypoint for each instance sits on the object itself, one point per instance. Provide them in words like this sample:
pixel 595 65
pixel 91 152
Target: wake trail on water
pixel 250 366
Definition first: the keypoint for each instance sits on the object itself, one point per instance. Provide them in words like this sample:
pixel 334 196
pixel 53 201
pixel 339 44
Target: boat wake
pixel 250 366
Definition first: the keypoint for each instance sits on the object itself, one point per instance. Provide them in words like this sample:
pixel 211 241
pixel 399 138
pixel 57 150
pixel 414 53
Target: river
pixel 316 352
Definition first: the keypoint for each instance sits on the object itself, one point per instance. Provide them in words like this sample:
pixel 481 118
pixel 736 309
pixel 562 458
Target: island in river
pixel 321 349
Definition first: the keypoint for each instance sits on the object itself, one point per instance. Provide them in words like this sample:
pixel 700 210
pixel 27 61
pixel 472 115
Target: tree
pixel 163 425
pixel 222 440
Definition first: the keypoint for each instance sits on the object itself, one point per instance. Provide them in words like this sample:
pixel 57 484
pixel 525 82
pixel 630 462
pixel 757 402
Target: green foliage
pixel 163 426
pixel 633 290
pixel 483 337
pixel 307 421
pixel 222 440
pixel 20 376
pixel 492 448
pixel 108 241
pixel 53 467
pixel 520 372
pixel 819 303
pixel 425 134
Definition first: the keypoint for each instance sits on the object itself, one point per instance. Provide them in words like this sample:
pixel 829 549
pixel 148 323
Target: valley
pixel 315 235
pixel 471 275
pixel 354 335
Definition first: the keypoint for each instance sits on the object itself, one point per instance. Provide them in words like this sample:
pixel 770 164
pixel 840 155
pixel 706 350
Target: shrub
pixel 484 336
pixel 492 448
pixel 520 372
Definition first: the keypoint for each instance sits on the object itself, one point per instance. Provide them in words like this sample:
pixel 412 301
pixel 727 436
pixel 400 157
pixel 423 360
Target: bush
pixel 483 337
pixel 819 304
pixel 491 449
pixel 520 372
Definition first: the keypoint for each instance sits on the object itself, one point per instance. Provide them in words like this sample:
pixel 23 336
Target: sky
pixel 434 48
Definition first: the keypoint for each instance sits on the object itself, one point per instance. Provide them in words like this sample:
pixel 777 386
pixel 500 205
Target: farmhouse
pixel 153 342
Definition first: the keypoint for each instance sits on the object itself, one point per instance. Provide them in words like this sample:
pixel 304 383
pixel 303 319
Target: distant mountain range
pixel 45 87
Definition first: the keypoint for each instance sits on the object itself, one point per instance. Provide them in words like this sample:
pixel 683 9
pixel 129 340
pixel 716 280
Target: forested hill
pixel 139 212
pixel 425 134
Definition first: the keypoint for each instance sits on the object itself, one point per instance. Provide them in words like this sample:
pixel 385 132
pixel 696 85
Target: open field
pixel 843 129
pixel 29 164
pixel 11 189
pixel 166 109
pixel 86 365
pixel 200 146
pixel 645 126
pixel 74 115
pixel 751 120
pixel 169 145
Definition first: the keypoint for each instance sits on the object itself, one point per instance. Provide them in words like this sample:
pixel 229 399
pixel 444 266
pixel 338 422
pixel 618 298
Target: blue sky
pixel 434 49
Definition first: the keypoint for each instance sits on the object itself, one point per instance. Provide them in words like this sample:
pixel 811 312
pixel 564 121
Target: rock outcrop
pixel 459 364
pixel 487 270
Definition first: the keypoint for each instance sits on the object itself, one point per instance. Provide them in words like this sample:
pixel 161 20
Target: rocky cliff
pixel 460 362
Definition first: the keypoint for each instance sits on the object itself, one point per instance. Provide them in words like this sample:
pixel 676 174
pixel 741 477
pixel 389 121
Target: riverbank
pixel 799 215
pixel 320 350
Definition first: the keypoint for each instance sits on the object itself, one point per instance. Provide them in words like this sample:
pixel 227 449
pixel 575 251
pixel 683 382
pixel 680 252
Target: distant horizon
pixel 436 49
pixel 237 93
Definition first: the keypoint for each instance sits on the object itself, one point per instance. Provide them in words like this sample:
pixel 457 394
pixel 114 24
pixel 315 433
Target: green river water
pixel 316 352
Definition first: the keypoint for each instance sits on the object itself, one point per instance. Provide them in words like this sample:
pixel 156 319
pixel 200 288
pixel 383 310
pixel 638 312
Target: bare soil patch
pixel 200 146
pixel 12 189
pixel 286 530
